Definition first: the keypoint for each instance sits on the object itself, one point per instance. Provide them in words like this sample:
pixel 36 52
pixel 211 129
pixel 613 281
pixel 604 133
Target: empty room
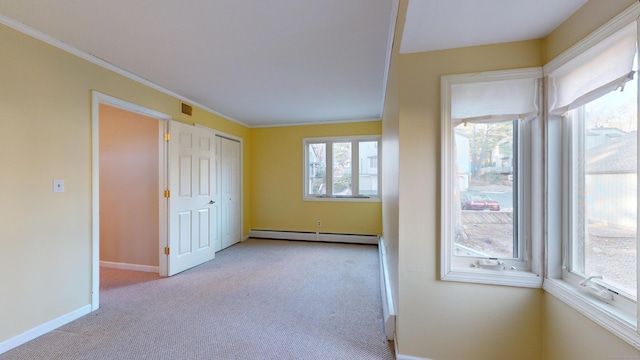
pixel 367 179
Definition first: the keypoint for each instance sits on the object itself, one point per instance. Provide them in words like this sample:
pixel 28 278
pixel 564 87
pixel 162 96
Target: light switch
pixel 58 185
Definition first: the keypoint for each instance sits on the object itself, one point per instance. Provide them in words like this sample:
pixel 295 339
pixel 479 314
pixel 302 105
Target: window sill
pixel 342 198
pixel 494 277
pixel 611 318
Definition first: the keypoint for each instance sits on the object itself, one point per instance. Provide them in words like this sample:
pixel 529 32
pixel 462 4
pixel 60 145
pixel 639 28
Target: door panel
pixel 192 221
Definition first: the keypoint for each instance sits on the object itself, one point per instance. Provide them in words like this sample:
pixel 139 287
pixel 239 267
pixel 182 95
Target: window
pixel 343 157
pixel 491 154
pixel 591 172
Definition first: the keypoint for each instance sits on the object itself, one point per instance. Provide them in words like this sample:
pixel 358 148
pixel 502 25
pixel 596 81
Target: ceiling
pixel 274 62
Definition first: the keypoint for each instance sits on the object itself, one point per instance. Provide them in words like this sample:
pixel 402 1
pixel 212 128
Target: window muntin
pixel 345 157
pixel 490 138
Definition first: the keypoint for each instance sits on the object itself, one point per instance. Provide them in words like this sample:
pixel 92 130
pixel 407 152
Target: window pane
pixel 605 189
pixel 317 163
pixel 368 177
pixel 484 204
pixel 341 168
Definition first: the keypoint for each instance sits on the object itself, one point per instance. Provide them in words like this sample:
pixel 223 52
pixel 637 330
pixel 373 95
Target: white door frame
pixel 98 98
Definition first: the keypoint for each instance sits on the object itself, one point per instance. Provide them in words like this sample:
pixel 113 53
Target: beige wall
pixel 447 320
pixel 583 22
pixel 570 335
pixel 129 187
pixel 45 114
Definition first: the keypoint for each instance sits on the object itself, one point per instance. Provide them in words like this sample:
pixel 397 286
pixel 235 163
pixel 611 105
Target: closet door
pixel 230 194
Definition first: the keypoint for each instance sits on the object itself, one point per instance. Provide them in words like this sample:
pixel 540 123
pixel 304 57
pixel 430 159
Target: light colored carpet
pixel 260 299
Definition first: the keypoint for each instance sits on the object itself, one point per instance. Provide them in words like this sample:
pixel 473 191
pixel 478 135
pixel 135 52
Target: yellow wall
pixel 276 193
pixel 45 116
pixel 438 319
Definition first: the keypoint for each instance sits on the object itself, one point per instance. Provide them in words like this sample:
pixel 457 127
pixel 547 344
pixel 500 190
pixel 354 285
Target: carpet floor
pixel 259 299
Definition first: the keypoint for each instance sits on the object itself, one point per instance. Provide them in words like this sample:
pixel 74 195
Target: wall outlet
pixel 58 185
pixel 318 223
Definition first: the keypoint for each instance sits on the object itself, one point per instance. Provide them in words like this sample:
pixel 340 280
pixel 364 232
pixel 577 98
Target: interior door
pixel 230 192
pixel 192 204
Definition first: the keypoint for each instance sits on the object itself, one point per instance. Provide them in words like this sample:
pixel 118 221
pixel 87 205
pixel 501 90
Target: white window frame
pixel 329 141
pixel 527 270
pixel 619 316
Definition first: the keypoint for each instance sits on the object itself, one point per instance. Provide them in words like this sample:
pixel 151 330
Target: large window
pixel 344 168
pixel 592 177
pixel 491 142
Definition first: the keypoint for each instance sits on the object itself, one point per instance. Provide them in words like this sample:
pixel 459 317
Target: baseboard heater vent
pixel 371 239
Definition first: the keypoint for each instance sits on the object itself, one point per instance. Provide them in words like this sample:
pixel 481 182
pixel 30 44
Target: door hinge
pixel 166 251
pixel 167 137
pixel 167 193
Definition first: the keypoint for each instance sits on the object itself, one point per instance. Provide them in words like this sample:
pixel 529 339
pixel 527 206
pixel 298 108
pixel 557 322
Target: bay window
pixel 539 177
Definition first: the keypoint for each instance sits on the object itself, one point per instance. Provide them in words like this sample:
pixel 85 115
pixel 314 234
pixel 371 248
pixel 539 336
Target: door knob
pixel 211 202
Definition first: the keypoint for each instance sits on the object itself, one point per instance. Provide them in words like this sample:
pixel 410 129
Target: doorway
pixel 99 99
pixel 130 160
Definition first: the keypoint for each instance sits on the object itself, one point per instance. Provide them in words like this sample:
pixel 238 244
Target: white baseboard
pixel 388 307
pixel 134 267
pixel 42 329
pixel 370 239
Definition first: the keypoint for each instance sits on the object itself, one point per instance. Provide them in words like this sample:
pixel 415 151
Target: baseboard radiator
pixel 315 236
pixel 388 307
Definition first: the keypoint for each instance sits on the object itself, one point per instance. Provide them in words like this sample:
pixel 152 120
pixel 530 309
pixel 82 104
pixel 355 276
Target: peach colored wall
pixel 129 187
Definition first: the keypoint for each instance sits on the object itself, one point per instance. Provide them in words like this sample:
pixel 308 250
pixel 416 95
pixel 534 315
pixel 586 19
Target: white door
pixel 230 192
pixel 192 203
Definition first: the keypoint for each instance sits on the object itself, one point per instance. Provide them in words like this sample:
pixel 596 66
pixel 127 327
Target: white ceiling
pixel 446 24
pixel 276 62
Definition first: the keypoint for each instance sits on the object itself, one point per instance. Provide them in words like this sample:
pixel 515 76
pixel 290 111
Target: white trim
pixel 395 4
pixel 42 329
pixel 98 98
pixel 369 239
pixel 16 25
pixel 133 267
pixel 607 316
pixel 449 270
pixel 494 277
pixel 388 307
pixel 332 122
